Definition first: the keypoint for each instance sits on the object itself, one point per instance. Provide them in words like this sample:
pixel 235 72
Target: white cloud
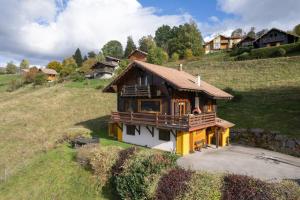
pixel 283 14
pixel 48 29
pixel 214 19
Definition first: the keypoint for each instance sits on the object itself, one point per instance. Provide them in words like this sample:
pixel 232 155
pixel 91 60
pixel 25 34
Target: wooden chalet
pixel 138 55
pixel 246 42
pixel 275 37
pixel 167 109
pixel 50 73
pixel 104 69
pixel 221 42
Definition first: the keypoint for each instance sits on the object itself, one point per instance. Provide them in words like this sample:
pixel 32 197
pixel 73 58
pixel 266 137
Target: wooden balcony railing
pixel 136 90
pixel 187 122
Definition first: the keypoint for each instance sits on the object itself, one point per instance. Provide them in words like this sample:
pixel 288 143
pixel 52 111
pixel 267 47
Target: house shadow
pixel 98 126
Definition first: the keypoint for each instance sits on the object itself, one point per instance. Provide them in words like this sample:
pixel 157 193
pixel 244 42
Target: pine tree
pixel 78 57
pixel 129 47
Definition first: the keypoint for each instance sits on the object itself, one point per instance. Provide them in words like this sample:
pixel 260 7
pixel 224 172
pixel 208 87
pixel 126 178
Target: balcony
pixel 136 91
pixel 184 123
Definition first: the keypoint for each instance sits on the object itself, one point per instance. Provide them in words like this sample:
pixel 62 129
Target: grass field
pixel 32 119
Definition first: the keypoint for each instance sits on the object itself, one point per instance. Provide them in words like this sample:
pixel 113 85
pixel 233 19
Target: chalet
pixel 50 73
pixel 112 60
pixel 167 109
pixel 246 42
pixel 138 55
pixel 102 70
pixel 275 37
pixel 221 42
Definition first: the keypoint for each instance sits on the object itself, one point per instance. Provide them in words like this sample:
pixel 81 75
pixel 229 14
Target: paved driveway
pixel 256 162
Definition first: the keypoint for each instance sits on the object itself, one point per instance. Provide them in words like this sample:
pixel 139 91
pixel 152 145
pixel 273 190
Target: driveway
pixel 256 162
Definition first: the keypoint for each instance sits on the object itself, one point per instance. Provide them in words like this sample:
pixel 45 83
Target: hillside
pixel 33 119
pixel 268 90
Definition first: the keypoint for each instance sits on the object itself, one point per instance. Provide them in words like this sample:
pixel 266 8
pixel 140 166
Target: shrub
pixel 157 55
pixel 243 56
pixel 175 57
pixel 239 51
pixel 241 187
pixel 141 173
pixel 124 155
pixel 14 85
pixel 173 184
pixel 73 133
pixel 286 189
pixel 279 52
pixel 205 186
pixel 39 79
pixel 188 54
pixel 77 77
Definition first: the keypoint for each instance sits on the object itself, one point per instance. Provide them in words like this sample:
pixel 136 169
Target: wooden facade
pixel 138 55
pixel 146 99
pixel 221 42
pixel 275 37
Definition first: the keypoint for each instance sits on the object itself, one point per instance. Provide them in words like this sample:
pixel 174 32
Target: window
pixel 130 130
pixel 209 106
pixel 150 105
pixel 164 135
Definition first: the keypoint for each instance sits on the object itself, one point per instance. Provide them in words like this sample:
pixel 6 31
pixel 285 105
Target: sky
pixel 45 30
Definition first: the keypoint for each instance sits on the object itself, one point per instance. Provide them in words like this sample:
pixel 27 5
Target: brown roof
pixel 48 71
pixel 276 30
pixel 179 79
pixel 223 123
pixel 139 51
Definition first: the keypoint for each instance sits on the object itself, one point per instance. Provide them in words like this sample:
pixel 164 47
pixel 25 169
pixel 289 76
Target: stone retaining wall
pixel 271 140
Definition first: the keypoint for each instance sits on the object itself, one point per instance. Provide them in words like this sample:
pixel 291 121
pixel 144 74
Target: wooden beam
pixel 138 129
pixel 217 137
pixel 151 131
pixel 120 127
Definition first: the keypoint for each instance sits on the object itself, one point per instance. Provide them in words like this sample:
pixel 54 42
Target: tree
pixel 100 57
pixel 260 33
pixel 78 57
pixel 184 37
pixel 251 33
pixel 130 46
pixel 11 68
pixel 157 55
pixel 92 54
pixel 86 65
pixel 113 48
pixel 24 64
pixel 55 65
pixel 162 35
pixel 69 65
pixel 175 56
pixel 237 33
pixel 146 43
pixel 297 30
pixel 188 54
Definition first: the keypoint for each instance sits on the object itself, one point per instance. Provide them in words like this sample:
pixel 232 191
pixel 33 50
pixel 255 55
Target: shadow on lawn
pixel 98 126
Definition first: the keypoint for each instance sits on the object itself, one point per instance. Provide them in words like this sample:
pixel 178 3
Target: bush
pixel 286 189
pixel 175 57
pixel 239 187
pixel 141 173
pixel 39 79
pixel 157 56
pixel 124 155
pixel 205 186
pixel 173 184
pixel 279 52
pixel 239 51
pixel 243 56
pixel 14 85
pixel 268 52
pixel 77 77
pixel 188 54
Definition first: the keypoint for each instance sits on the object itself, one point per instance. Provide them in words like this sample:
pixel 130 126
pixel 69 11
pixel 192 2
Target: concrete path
pixel 256 162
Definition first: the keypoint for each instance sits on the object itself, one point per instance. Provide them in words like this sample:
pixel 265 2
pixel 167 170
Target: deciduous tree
pixel 11 68
pixel 162 36
pixel 113 48
pixel 146 43
pixel 57 66
pixel 297 30
pixel 24 64
pixel 157 55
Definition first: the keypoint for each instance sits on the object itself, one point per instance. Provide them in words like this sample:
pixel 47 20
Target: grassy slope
pixel 270 90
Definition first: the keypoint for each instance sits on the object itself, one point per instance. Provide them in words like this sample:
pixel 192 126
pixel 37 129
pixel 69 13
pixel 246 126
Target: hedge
pixel 268 52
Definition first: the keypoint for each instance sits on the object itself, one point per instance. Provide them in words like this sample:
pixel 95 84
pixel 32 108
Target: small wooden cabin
pixel 246 42
pixel 275 37
pixel 50 73
pixel 167 109
pixel 138 55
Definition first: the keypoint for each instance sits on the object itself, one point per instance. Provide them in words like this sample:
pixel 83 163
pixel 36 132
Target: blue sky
pixel 45 30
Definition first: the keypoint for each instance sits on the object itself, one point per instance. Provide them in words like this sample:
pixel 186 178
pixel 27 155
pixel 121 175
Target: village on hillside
pixel 167 116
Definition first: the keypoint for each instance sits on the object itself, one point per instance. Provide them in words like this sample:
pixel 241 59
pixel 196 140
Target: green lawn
pixel 88 83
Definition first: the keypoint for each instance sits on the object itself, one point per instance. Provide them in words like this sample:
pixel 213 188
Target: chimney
pixel 180 67
pixel 198 80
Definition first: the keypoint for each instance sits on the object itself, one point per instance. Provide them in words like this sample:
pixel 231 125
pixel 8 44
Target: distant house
pixel 246 42
pixel 138 55
pixel 275 37
pixel 50 73
pixel 102 70
pixel 113 60
pixel 221 42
